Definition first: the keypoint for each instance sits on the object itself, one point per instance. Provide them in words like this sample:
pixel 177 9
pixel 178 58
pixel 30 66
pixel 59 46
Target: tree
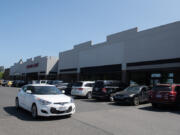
pixel 1 75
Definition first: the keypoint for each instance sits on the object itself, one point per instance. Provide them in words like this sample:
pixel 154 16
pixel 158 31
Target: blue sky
pixel 30 28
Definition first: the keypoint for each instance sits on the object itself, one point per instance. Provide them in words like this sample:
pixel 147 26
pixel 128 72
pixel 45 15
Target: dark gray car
pixel 133 95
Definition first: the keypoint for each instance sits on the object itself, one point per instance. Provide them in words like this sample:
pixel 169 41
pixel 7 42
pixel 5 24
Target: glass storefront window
pixel 171 75
pixel 170 81
pixel 155 75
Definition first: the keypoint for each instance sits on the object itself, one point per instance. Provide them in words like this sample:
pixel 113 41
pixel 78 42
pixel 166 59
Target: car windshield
pixel 43 81
pixel 78 84
pixel 63 84
pixel 161 88
pixel 45 90
pixel 56 82
pixel 101 84
pixel 132 89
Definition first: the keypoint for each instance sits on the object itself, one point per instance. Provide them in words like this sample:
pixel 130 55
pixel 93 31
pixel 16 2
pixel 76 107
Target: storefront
pixel 38 68
pixel 110 72
pixel 143 57
pixel 163 71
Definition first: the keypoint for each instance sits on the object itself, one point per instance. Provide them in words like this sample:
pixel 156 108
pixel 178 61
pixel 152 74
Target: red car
pixel 165 94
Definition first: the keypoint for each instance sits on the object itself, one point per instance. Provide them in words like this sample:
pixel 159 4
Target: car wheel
pixel 17 103
pixel 69 115
pixel 34 111
pixel 111 99
pixel 136 101
pixel 154 105
pixel 89 95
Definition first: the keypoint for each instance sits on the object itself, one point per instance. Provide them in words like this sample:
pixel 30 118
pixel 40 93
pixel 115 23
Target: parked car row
pixel 112 90
pixel 115 91
pixel 43 99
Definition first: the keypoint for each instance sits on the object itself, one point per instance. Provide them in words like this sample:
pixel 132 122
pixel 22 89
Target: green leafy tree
pixel 1 75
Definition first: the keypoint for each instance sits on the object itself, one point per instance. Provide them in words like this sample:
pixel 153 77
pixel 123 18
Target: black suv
pixel 105 89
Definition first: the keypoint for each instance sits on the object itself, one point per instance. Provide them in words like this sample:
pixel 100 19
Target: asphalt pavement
pixel 91 118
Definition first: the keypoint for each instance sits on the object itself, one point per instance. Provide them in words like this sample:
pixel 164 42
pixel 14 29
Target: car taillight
pixel 150 93
pixel 104 90
pixel 172 93
pixel 80 88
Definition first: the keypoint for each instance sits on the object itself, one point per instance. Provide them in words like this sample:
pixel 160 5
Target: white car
pixel 44 100
pixel 42 81
pixel 83 89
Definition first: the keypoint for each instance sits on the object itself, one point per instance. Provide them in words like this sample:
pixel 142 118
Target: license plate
pixel 62 108
pixel 158 96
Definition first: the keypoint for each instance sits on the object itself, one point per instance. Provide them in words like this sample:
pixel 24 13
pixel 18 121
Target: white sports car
pixel 44 100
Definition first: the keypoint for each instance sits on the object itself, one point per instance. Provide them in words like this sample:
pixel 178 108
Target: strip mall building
pixel 35 69
pixel 145 57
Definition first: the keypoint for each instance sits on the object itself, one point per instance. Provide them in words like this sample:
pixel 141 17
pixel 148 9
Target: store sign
pixel 32 65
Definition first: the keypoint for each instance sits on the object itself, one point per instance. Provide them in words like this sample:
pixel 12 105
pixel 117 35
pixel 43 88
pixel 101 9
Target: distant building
pixel 37 68
pixel 1 68
pixel 6 75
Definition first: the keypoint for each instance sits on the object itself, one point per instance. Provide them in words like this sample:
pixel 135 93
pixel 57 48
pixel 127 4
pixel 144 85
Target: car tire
pixel 154 105
pixel 89 95
pixel 34 111
pixel 17 103
pixel 111 99
pixel 69 115
pixel 135 101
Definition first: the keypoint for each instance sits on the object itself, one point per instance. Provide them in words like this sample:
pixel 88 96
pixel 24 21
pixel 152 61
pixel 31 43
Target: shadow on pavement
pixel 94 100
pixel 125 104
pixel 26 116
pixel 171 109
pixel 119 104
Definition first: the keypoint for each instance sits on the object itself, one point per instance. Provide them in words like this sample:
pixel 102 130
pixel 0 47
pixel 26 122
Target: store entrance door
pixel 155 78
pixel 164 77
pixel 155 81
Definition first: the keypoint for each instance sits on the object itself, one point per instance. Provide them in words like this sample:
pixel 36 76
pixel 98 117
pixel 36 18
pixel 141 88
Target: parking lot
pixel 91 118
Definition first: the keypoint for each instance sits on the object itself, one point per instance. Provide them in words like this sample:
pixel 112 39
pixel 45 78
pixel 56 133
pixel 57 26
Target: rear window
pixel 70 85
pixel 99 84
pixel 89 85
pixel 78 84
pixel 43 81
pixel 107 84
pixel 161 88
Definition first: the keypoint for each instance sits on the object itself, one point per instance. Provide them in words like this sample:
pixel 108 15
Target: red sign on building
pixel 32 65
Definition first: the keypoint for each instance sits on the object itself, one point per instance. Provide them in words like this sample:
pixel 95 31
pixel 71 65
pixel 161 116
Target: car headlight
pixel 43 102
pixel 131 95
pixel 72 100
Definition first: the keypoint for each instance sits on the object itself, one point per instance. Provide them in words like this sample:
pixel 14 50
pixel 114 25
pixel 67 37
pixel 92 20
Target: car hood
pixel 54 98
pixel 126 93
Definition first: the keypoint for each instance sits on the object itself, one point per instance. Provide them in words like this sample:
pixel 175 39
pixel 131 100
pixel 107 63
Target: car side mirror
pixel 29 92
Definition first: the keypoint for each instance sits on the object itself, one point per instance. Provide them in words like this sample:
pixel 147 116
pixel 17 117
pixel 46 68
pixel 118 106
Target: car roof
pixel 85 82
pixel 163 85
pixel 107 81
pixel 138 86
pixel 39 85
